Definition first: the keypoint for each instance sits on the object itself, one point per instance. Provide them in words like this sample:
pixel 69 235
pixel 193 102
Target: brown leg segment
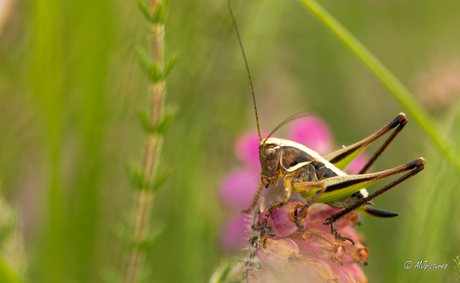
pixel 399 122
pixel 402 121
pixel 338 236
pixel 287 187
pixel 307 186
pixel 255 199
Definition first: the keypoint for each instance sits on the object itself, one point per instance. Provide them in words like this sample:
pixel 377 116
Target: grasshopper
pixel 321 179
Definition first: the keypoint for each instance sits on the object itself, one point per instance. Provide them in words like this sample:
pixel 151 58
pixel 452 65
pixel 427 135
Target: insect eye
pixel 270 154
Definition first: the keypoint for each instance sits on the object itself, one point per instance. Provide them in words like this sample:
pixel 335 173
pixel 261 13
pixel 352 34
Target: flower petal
pixel 343 275
pixel 322 245
pixel 357 273
pixel 247 149
pixel 264 275
pixel 282 219
pixel 312 270
pixel 281 255
pixel 318 213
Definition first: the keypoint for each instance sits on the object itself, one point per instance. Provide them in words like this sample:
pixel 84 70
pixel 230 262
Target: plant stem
pixel 153 144
pixel 400 92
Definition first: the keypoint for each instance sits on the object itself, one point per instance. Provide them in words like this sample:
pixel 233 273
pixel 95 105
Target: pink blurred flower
pixel 313 133
pixel 235 233
pixel 238 189
pixel 247 150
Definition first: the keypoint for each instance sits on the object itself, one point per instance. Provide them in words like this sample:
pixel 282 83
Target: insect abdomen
pixel 322 171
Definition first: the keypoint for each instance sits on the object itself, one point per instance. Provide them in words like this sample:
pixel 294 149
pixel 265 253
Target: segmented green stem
pixel 153 144
pixel 400 92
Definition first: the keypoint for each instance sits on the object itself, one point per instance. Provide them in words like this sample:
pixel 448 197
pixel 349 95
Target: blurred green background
pixel 71 87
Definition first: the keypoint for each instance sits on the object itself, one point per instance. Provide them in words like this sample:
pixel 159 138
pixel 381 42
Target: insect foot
pixel 337 234
pixel 299 219
pixel 285 253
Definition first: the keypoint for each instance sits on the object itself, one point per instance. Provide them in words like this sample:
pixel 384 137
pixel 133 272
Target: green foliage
pixel 145 10
pixel 144 59
pixel 156 17
pixel 138 179
pixel 159 14
pixel 154 72
pixel 162 126
pixel 161 178
pixel 169 65
pixel 152 69
pixel 221 274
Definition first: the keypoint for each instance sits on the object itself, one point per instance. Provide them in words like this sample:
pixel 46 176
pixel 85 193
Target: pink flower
pixel 313 254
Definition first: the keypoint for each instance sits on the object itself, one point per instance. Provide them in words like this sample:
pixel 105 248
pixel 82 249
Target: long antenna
pixel 287 120
pixel 247 67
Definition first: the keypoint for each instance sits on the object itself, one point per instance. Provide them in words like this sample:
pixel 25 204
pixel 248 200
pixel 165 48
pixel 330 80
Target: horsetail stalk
pixel 155 122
